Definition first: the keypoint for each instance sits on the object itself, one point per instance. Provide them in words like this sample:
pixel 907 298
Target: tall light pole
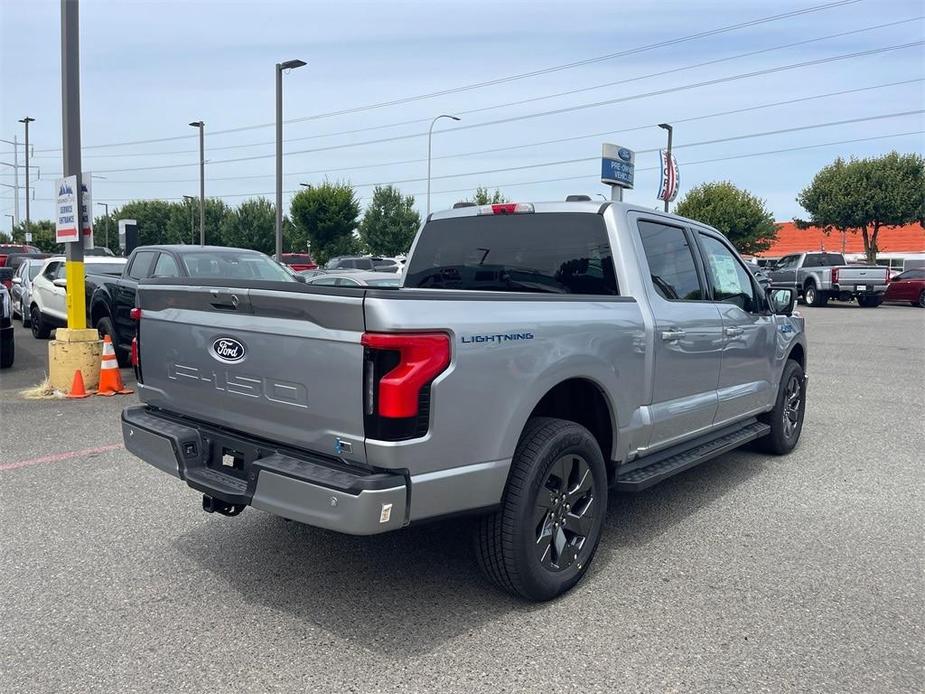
pixel 26 122
pixel 202 180
pixel 190 199
pixel 288 65
pixel 106 205
pixel 666 126
pixel 430 134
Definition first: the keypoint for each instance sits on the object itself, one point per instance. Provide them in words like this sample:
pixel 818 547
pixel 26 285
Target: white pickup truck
pixel 536 356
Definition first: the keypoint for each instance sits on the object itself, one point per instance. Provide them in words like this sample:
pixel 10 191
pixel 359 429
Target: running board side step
pixel 644 477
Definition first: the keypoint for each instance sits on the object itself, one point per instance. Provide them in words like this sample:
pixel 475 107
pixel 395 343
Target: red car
pixel 11 248
pixel 907 286
pixel 299 261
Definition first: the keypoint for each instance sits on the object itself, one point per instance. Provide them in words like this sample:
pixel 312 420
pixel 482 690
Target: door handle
pixel 734 332
pixel 672 334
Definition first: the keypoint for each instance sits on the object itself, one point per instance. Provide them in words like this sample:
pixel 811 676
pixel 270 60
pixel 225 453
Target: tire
pixel 7 353
pixel 105 327
pixel 535 545
pixel 921 302
pixel 24 316
pixel 40 328
pixel 869 301
pixel 814 297
pixel 786 419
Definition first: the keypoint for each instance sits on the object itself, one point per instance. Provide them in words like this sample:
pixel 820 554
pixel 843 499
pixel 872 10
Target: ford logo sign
pixel 228 350
pixel 624 154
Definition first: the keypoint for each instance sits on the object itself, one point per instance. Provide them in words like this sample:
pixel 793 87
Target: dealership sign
pixel 618 166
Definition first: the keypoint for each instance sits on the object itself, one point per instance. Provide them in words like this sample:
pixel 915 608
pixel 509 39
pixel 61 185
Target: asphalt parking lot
pixel 748 573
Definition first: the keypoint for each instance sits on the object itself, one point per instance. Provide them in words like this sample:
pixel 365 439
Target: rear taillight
pixel 507 208
pixel 135 314
pixel 134 351
pixel 398 371
pixel 834 275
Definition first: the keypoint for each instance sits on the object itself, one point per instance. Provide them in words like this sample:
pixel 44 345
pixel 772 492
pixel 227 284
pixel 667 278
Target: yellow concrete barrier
pixel 72 350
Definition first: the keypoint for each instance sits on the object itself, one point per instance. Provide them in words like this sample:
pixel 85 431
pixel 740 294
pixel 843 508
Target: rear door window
pixel 166 266
pixel 671 262
pixel 561 253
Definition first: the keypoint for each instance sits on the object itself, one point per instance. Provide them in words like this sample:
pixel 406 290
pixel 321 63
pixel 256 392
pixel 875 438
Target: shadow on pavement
pixel 407 592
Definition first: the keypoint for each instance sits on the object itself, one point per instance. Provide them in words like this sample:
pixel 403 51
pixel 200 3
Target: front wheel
pixel 540 542
pixel 40 329
pixel 24 315
pixel 786 419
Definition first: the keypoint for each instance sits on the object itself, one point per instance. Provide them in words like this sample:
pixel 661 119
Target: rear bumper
pixel 300 486
pixel 849 288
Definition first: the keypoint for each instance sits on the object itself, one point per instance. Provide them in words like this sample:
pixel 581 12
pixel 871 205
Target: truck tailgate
pixel 285 365
pixel 870 275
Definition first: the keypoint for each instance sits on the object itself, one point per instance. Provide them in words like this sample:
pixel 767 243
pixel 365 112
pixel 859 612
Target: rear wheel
pixel 40 328
pixel 786 419
pixel 869 301
pixel 24 314
pixel 814 297
pixel 540 542
pixel 921 301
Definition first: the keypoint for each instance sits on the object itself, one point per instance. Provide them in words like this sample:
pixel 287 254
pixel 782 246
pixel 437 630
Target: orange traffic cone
pixel 77 386
pixel 110 378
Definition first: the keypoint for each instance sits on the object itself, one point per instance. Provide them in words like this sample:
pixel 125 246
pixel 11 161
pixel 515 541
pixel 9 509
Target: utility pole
pixel 26 122
pixel 202 180
pixel 15 186
pixel 288 65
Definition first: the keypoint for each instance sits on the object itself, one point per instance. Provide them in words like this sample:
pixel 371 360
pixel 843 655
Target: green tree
pixel 390 222
pixel 483 197
pixel 251 225
pixel 43 235
pixel 151 216
pixel 867 195
pixel 324 219
pixel 738 214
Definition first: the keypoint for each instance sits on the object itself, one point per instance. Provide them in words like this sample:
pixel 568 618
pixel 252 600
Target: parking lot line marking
pixel 58 457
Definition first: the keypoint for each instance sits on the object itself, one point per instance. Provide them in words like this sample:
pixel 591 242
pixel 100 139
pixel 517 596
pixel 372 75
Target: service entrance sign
pixel 66 212
pixel 618 165
pixel 86 209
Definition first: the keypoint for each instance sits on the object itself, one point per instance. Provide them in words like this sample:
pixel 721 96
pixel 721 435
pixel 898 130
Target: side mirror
pixel 300 278
pixel 17 280
pixel 782 301
pixel 60 282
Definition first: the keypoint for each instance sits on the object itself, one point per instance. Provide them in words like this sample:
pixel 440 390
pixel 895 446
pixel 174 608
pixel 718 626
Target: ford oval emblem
pixel 228 350
pixel 624 154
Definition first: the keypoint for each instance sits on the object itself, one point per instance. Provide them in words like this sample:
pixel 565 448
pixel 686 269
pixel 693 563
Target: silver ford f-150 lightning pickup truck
pixel 535 356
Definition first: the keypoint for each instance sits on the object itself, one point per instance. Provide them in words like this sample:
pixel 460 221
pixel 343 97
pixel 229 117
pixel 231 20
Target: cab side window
pixel 166 266
pixel 50 271
pixel 141 265
pixel 729 280
pixel 671 262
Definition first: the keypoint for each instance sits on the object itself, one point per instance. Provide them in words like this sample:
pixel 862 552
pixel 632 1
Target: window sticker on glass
pixel 724 270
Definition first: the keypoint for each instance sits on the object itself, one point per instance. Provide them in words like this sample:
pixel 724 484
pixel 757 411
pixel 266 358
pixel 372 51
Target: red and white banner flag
pixel 668 188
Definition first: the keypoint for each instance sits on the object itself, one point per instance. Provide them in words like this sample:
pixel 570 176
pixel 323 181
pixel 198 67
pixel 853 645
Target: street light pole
pixel 26 121
pixel 190 199
pixel 106 205
pixel 666 126
pixel 287 65
pixel 430 134
pixel 202 180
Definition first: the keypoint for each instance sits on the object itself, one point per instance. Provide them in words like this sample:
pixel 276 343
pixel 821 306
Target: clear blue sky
pixel 148 68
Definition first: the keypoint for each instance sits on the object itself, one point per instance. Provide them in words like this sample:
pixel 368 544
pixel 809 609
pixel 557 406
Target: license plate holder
pixel 860 288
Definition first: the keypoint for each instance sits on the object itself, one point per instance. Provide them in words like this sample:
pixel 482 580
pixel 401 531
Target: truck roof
pixel 586 206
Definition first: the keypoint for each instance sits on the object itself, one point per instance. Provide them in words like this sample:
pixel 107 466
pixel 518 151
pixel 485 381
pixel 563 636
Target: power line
pixel 559 140
pixel 538 98
pixel 567 109
pixel 510 78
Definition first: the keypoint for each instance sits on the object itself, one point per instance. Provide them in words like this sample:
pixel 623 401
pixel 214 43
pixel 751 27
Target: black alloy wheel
pixel 565 512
